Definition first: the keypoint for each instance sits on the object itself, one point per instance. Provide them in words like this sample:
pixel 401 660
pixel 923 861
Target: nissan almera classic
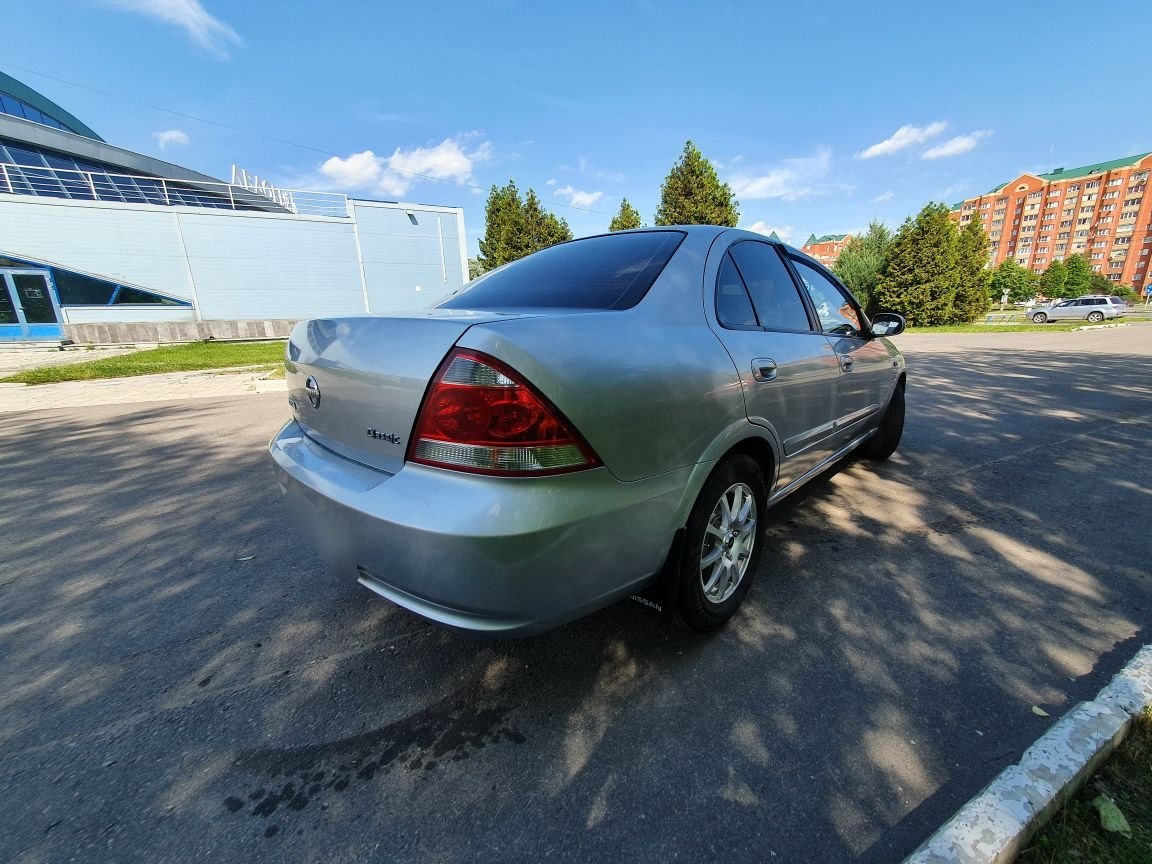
pixel 609 415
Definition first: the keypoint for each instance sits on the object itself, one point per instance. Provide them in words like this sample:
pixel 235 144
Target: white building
pixel 100 244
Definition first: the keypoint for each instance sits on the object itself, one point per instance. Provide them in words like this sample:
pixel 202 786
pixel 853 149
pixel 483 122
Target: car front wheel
pixel 1095 317
pixel 722 543
pixel 1039 318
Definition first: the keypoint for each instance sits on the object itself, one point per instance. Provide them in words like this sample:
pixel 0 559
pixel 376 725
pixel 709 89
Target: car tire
pixel 1039 318
pixel 722 548
pixel 887 438
pixel 1095 317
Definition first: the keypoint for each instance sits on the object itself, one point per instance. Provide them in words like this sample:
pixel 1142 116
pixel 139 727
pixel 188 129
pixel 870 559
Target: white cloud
pixel 170 136
pixel 791 180
pixel 883 196
pixel 956 146
pixel 902 139
pixel 577 197
pixel 550 182
pixel 201 27
pixel 784 232
pixel 394 175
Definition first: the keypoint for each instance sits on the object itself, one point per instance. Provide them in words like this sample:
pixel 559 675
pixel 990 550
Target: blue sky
pixel 820 116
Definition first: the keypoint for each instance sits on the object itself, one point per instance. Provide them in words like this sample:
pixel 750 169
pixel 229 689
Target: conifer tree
pixel 515 227
pixel 502 222
pixel 922 275
pixel 863 260
pixel 540 228
pixel 692 194
pixel 627 217
pixel 972 300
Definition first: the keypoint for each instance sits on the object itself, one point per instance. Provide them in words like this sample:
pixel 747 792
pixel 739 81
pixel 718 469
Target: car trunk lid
pixel 356 384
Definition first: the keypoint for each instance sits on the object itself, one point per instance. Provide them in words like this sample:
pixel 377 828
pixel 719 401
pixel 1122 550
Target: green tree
pixel 628 217
pixel 922 275
pixel 1018 281
pixel 475 271
pixel 503 217
pixel 540 228
pixel 972 300
pixel 863 260
pixel 1079 279
pixel 1053 280
pixel 515 227
pixel 692 194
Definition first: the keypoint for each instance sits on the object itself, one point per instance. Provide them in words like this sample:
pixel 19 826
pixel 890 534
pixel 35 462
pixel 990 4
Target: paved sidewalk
pixel 173 386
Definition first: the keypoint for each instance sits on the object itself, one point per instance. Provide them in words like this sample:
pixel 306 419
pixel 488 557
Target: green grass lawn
pixel 1075 833
pixel 170 358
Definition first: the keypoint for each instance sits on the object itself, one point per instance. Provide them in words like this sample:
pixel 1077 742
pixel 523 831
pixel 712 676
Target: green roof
pixel 827 238
pixel 775 236
pixel 1083 171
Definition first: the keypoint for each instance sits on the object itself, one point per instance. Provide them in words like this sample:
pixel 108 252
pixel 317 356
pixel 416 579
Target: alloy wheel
pixel 728 541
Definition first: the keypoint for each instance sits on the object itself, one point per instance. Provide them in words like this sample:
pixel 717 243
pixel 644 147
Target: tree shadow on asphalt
pixel 160 616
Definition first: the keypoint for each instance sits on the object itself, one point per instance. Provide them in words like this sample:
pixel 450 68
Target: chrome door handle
pixel 846 363
pixel 764 369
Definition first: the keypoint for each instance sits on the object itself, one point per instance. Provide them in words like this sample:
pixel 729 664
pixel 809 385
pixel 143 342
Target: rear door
pixel 788 370
pixel 865 366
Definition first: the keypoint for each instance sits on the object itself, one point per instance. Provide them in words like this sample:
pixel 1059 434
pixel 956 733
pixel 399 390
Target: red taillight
pixel 480 416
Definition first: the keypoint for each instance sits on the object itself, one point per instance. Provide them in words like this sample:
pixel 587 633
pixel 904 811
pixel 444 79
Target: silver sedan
pixel 608 417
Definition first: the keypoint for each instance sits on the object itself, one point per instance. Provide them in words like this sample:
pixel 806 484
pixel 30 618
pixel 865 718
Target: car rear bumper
pixel 506 557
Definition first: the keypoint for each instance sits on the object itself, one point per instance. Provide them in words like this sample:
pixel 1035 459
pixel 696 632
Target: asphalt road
pixel 182 680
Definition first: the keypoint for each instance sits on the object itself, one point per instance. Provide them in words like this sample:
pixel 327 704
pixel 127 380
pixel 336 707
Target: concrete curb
pixel 993 827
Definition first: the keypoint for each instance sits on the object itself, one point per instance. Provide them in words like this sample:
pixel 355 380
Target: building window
pixel 1112 194
pixel 1096 256
pixel 1116 181
pixel 1092 184
pixel 1099 244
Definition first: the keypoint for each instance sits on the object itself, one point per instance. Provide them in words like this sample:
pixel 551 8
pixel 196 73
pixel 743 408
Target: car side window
pixel 837 313
pixel 733 307
pixel 771 287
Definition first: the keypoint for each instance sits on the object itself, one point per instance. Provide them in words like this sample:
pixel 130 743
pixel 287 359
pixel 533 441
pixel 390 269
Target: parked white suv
pixel 1093 308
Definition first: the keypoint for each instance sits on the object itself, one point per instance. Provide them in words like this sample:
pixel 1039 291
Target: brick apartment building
pixel 1099 211
pixel 825 249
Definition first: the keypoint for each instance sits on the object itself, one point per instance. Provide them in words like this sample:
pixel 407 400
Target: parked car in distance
pixel 1093 308
pixel 609 415
pixel 1120 304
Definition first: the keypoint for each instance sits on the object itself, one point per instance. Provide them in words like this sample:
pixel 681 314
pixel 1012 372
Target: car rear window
pixel 613 271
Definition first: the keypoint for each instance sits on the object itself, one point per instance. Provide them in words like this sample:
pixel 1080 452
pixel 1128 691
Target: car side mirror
pixel 888 324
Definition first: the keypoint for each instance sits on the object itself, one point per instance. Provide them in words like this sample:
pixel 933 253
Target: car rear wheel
pixel 722 544
pixel 887 438
pixel 1039 318
pixel 1095 317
